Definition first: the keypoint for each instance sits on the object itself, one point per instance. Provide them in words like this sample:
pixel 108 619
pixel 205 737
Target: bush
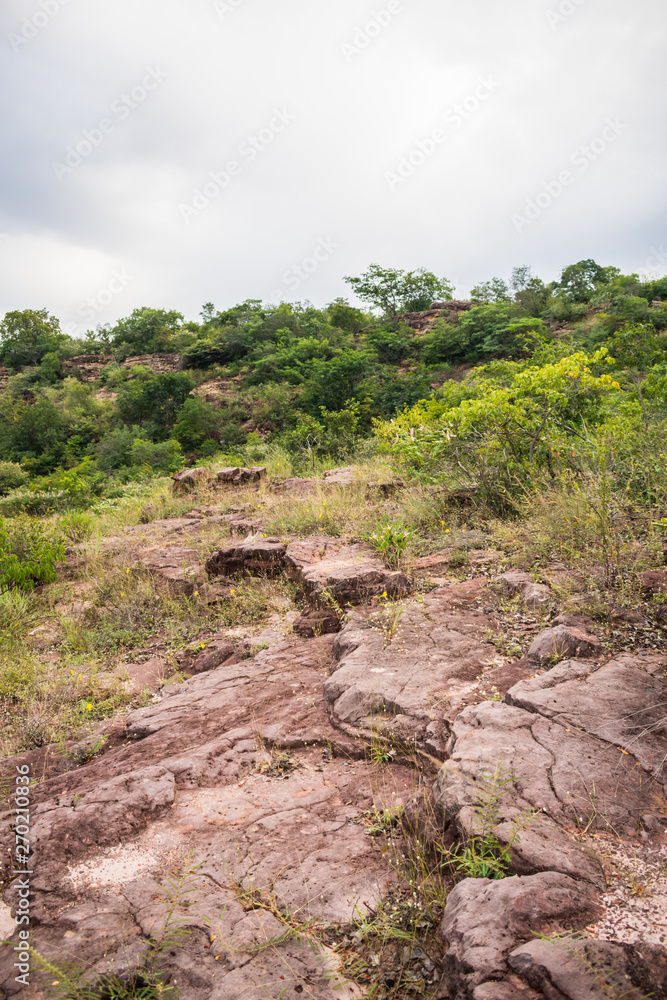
pixel 77 527
pixel 11 477
pixel 28 554
pixel 165 456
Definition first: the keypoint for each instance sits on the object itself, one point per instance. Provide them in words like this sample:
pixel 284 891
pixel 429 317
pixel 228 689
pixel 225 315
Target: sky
pixel 171 153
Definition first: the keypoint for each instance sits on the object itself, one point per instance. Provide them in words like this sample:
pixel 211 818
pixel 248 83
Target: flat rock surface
pixel 409 666
pixel 239 769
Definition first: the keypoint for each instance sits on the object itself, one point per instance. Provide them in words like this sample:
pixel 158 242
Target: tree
pixel 394 291
pixel 154 401
pixel 578 281
pixel 495 290
pixel 346 317
pixel 27 336
pixel 146 331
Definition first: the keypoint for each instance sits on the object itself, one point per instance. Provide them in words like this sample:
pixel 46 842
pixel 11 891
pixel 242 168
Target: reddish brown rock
pixel 317 621
pixel 485 920
pixel 234 476
pixel 350 574
pixel 585 970
pixel 177 566
pixel 563 641
pixel 255 556
pixel 400 669
pixel 189 479
pixel 534 595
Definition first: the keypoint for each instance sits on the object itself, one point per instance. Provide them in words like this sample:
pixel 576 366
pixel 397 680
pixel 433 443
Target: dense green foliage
pixel 564 366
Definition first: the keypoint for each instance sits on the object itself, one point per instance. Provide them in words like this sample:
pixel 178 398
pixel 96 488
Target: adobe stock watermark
pixel 224 7
pixel 565 9
pixel 455 116
pixel 657 257
pixel 91 139
pixel 92 306
pixel 366 33
pixel 582 158
pixel 22 870
pixel 247 151
pixel 298 274
pixel 31 26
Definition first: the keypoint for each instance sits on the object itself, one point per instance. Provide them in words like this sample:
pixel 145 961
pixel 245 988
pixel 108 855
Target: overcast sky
pixel 175 152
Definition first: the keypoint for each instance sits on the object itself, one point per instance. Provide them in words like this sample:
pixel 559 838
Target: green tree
pixel 146 331
pixel 346 317
pixel 196 422
pixel 495 290
pixel 579 281
pixel 27 336
pixel 394 291
pixel 154 401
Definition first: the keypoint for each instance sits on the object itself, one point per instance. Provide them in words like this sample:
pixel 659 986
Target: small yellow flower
pixel 203 645
pixel 196 593
pixel 447 532
pixel 385 594
pixel 442 523
pixel 122 594
pixel 80 677
pixel 127 571
pixel 232 591
pixel 72 672
pixel 89 707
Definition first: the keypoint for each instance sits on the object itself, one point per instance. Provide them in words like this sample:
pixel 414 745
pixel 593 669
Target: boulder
pixel 344 476
pixel 487 919
pixel 189 479
pixel 349 574
pixel 584 970
pixel 233 476
pixel 653 582
pixel 255 556
pixel 534 595
pixel 317 621
pixel 561 642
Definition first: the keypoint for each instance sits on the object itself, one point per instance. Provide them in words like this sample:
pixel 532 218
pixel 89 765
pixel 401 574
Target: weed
pixel 390 541
pixel 482 855
pixel 77 527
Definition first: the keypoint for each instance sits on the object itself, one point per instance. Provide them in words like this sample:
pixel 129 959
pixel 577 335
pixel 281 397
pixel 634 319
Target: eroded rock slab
pixel 239 769
pixel 407 668
pixel 558 776
pixel 485 920
pixel 563 641
pixel 350 574
pixel 178 566
pixel 619 703
pixel 255 556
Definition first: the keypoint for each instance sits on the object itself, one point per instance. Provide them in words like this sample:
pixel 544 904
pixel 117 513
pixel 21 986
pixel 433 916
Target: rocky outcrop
pixel 255 556
pixel 407 670
pixel 234 476
pixel 160 364
pixel 485 920
pixel 577 969
pixel 177 566
pixel 534 595
pixel 189 479
pixel 348 574
pixel 563 641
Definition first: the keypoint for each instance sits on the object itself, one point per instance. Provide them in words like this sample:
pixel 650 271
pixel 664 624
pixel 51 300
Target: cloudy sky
pixel 175 152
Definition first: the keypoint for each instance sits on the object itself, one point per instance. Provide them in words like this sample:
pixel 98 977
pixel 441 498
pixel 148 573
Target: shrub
pixel 77 527
pixel 165 456
pixel 11 477
pixel 28 553
pixel 390 541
